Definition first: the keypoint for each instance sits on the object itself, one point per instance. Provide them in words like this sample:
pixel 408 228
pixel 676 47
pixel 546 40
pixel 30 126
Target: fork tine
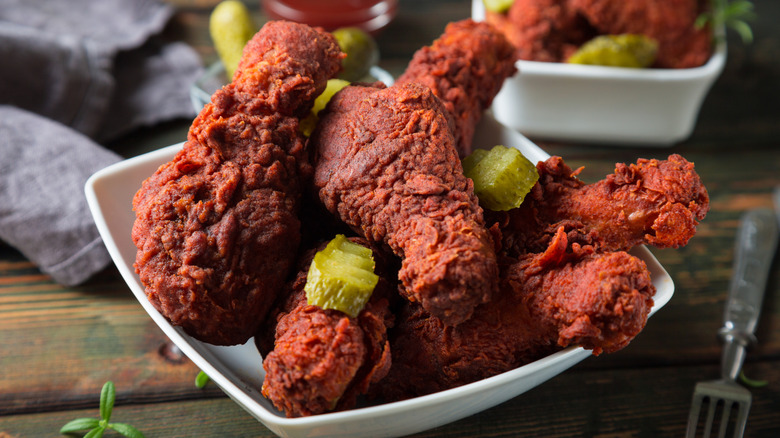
pixel 710 417
pixel 724 418
pixel 693 418
pixel 742 416
pixel 721 397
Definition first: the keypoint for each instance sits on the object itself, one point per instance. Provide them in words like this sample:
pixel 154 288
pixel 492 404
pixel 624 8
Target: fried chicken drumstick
pixel 655 202
pixel 217 228
pixel 566 295
pixel 552 30
pixel 672 23
pixel 465 68
pixel 565 276
pixel 320 360
pixel 386 164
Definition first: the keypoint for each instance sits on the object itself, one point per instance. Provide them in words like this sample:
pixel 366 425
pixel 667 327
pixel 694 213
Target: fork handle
pixel 755 246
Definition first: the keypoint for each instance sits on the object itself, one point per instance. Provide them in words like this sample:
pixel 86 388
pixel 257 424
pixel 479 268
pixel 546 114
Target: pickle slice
pixel 626 50
pixel 362 52
pixel 498 6
pixel 334 86
pixel 230 26
pixel 471 161
pixel 502 177
pixel 341 277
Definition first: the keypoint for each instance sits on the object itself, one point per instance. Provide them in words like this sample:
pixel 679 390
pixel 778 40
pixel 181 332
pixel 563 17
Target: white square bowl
pixel 238 369
pixel 610 105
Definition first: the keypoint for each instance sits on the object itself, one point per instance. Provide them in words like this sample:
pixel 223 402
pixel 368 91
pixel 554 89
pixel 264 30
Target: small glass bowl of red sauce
pixel 369 15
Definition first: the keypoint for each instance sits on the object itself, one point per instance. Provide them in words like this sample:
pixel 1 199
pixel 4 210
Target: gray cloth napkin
pixel 73 74
pixel 43 211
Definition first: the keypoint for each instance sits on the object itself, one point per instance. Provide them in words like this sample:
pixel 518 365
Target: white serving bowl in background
pixel 610 105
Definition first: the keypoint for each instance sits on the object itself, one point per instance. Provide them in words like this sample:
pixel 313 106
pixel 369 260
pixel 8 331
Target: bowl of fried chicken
pixel 218 238
pixel 557 96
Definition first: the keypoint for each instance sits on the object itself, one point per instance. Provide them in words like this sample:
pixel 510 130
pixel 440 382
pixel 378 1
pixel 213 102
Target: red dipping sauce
pixel 369 15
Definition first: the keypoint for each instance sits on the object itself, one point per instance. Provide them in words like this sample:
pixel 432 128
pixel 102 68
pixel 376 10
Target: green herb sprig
pixel 98 426
pixel 201 380
pixel 733 14
pixel 753 383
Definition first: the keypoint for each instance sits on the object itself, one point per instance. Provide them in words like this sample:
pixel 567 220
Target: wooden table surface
pixel 58 345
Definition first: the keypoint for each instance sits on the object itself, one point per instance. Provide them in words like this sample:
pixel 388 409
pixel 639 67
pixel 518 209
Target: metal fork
pixel 755 246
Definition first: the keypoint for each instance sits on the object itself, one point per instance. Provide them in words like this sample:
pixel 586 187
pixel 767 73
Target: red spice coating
pixel 320 360
pixel 656 202
pixel 564 296
pixel 465 68
pixel 386 164
pixel 216 228
pixel 552 30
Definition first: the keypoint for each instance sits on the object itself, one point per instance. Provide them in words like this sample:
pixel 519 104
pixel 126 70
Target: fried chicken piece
pixel 567 295
pixel 386 164
pixel 552 30
pixel 655 202
pixel 319 360
pixel 670 22
pixel 465 68
pixel 217 228
pixel 565 276
pixel 543 30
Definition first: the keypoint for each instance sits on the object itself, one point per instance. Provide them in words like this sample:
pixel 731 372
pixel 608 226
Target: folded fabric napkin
pixel 75 74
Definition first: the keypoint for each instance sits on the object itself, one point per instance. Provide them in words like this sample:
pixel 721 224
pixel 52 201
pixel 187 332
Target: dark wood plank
pixel 199 418
pixel 652 402
pixel 59 344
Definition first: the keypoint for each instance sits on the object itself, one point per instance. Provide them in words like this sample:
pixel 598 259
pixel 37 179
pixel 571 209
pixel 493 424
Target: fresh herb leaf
pixel 750 382
pixel 738 8
pixel 79 424
pixel 95 433
pixel 733 14
pixel 743 30
pixel 98 426
pixel 126 430
pixel 107 397
pixel 201 380
pixel 701 20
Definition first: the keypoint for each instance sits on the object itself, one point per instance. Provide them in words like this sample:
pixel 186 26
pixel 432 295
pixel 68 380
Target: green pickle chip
pixel 341 277
pixel 310 121
pixel 361 49
pixel 502 177
pixel 498 6
pixel 469 162
pixel 230 27
pixel 626 50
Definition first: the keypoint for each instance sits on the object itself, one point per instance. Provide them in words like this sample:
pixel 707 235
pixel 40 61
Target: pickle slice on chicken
pixel 471 161
pixel 498 6
pixel 310 122
pixel 341 277
pixel 362 53
pixel 626 50
pixel 502 177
